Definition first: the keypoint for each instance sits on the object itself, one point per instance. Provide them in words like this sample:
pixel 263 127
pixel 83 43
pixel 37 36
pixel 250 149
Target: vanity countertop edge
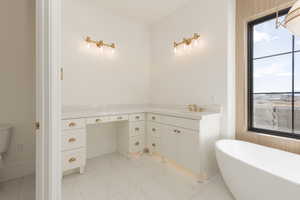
pixel 174 113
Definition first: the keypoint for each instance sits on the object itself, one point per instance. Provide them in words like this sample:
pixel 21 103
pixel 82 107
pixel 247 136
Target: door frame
pixel 48 99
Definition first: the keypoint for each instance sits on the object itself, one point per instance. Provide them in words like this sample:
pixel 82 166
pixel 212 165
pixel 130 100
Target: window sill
pixel 277 134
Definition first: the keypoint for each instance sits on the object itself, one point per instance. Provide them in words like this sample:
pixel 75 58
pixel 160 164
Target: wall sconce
pixel 187 42
pixel 100 44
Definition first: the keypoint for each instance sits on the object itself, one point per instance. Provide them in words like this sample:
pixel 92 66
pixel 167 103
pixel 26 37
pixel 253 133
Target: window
pixel 273 78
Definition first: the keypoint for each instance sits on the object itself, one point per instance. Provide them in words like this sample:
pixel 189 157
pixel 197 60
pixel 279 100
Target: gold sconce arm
pixel 99 43
pixel 187 41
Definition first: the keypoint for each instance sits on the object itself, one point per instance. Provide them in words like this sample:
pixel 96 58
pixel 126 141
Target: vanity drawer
pixel 73 159
pixel 182 122
pixel 73 139
pixel 154 117
pixel 137 144
pixel 98 120
pixel 154 144
pixel 73 124
pixel 137 117
pixel 137 128
pixel 175 121
pixel 119 118
pixel 154 129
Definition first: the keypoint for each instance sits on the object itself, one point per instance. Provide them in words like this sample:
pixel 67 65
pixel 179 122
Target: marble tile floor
pixel 113 177
pixel 18 189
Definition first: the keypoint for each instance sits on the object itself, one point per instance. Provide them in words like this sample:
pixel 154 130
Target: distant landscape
pixel 274 111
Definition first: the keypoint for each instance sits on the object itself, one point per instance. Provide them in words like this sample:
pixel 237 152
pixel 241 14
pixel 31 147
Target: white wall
pixel 101 139
pixel 93 79
pixel 17 85
pixel 199 76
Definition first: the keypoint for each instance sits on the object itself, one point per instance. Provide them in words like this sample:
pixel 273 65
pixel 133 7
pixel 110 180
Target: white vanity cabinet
pixel 131 135
pixel 187 142
pixel 154 131
pixel 182 146
pixel 186 139
pixel 73 141
pixel 168 142
pixel 188 149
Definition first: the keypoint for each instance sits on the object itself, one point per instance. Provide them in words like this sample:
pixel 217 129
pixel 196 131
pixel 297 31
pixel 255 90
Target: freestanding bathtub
pixel 255 172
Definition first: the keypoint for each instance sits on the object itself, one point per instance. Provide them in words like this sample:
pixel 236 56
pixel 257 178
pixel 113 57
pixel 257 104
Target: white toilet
pixel 5 134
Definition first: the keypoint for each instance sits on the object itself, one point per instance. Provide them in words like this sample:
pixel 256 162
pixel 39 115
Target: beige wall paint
pixel 247 10
pixel 17 84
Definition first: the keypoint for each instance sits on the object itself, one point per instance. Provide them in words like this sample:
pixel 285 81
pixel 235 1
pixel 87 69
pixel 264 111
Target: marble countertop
pixel 98 111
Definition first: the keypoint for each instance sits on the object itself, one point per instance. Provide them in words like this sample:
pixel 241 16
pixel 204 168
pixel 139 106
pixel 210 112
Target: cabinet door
pixel 168 144
pixel 188 153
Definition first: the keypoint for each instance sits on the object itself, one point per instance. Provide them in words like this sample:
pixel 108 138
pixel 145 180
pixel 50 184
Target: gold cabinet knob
pixel 137 129
pixel 119 118
pixel 154 129
pixel 72 124
pixel 72 160
pixel 137 144
pixel 153 118
pixel 137 117
pixel 154 145
pixel 98 120
pixel 72 140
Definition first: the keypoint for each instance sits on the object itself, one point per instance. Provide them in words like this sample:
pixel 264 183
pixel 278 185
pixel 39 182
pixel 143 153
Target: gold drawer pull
pixel 137 144
pixel 72 160
pixel 120 118
pixel 154 145
pixel 72 124
pixel 98 120
pixel 137 117
pixel 137 129
pixel 154 129
pixel 72 140
pixel 153 118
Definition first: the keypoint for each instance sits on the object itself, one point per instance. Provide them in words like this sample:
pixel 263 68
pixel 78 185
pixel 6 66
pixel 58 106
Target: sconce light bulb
pixel 112 51
pixel 184 47
pixel 101 50
pixel 88 45
pixel 196 43
pixel 175 49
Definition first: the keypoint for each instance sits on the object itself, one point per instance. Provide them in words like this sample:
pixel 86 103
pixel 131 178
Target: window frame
pixel 250 77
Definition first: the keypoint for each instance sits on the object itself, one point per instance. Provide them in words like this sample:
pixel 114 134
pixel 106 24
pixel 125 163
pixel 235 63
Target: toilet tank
pixel 5 135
